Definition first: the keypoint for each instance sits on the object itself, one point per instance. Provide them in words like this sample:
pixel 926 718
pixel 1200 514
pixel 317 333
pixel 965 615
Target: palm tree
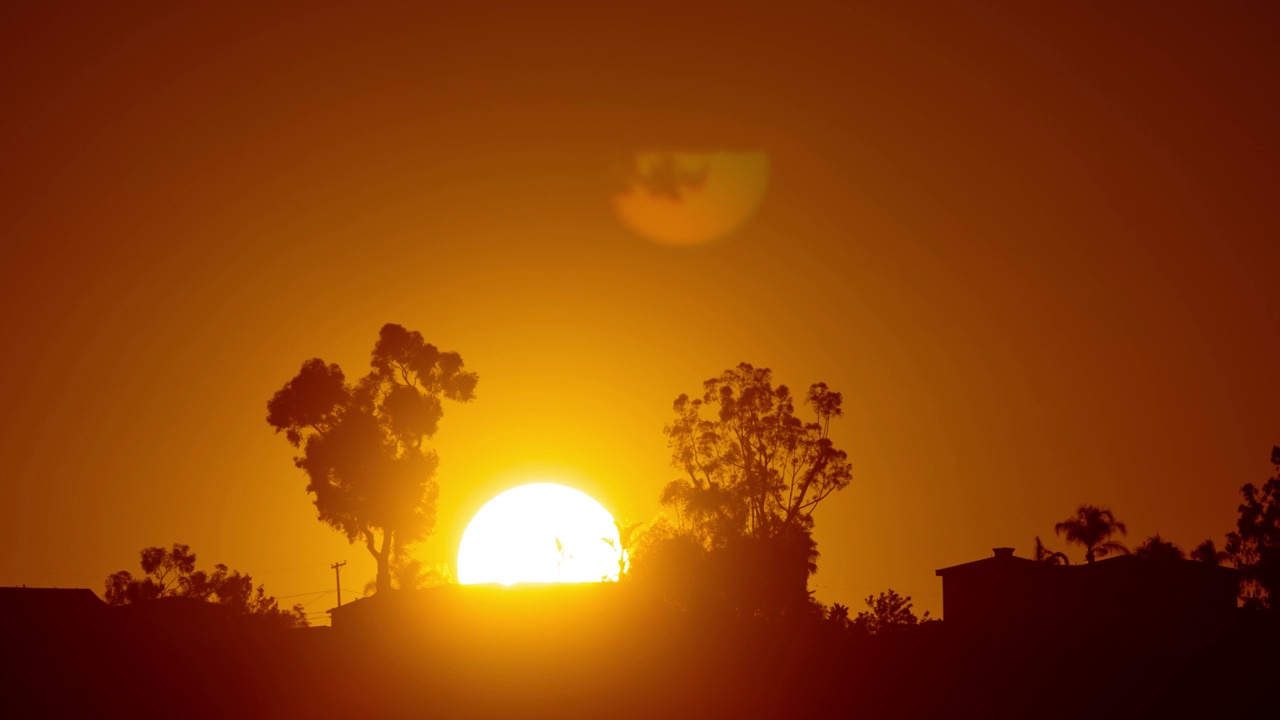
pixel 1092 527
pixel 1043 554
pixel 839 615
pixel 628 532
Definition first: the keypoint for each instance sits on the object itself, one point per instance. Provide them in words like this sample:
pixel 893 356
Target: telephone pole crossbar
pixel 337 575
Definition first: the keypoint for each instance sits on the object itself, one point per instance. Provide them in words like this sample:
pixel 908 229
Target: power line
pixel 295 568
pixel 313 592
pixel 326 592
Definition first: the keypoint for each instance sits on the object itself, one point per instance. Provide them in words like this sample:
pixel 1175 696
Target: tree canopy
pixel 888 613
pixel 752 474
pixel 1157 548
pixel 1207 552
pixel 363 443
pixel 1254 546
pixel 749 464
pixel 172 573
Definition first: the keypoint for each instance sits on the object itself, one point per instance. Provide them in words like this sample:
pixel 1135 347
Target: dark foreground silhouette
pixel 607 651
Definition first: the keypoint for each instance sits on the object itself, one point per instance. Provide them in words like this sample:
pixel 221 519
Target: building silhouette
pixel 1124 594
pixel 47 612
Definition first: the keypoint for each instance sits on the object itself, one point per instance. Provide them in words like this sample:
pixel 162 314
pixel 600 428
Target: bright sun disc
pixel 541 533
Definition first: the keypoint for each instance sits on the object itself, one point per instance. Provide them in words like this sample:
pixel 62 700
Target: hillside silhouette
pixel 609 650
pixel 1148 634
pixel 711 615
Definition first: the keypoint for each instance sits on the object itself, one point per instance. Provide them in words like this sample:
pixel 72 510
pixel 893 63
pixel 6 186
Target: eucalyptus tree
pixel 752 472
pixel 173 573
pixel 1254 546
pixel 749 464
pixel 364 444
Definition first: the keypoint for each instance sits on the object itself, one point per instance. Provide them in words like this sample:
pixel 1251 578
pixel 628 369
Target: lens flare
pixel 690 197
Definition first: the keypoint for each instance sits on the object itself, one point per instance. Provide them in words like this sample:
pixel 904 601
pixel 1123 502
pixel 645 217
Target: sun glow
pixel 543 533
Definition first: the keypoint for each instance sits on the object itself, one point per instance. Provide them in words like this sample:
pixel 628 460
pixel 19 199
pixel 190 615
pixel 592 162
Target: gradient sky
pixel 1034 245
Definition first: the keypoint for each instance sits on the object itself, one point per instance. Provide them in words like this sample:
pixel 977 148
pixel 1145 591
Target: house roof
pixel 1004 558
pixel 25 602
pixel 1131 563
pixel 1000 557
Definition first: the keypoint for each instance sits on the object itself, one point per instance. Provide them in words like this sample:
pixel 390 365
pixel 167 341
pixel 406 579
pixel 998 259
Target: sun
pixel 540 533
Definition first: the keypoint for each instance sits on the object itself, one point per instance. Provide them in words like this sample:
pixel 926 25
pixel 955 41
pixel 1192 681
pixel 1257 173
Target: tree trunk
pixel 383 580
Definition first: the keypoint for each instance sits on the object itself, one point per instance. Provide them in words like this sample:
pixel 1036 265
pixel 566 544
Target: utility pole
pixel 337 575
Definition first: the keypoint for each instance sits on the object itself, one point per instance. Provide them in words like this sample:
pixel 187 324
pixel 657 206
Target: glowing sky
pixel 1033 244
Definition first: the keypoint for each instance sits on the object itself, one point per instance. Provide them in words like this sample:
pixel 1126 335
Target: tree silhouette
pixel 628 532
pixel 767 575
pixel 753 474
pixel 364 444
pixel 1157 548
pixel 889 613
pixel 1254 546
pixel 165 574
pixel 1092 528
pixel 1043 554
pixel 410 573
pixel 1207 552
pixel 672 565
pixel 838 615
pixel 172 573
pixel 753 468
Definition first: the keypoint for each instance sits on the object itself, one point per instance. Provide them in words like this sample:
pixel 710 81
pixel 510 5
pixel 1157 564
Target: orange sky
pixel 1033 244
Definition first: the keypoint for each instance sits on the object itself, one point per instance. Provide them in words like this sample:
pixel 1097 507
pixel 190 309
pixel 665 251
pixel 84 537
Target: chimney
pixel 1003 552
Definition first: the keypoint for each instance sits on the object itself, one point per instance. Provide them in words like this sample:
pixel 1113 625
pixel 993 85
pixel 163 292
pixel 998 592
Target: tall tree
pixel 172 573
pixel 363 444
pixel 1254 547
pixel 1157 548
pixel 753 472
pixel 750 465
pixel 1092 528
